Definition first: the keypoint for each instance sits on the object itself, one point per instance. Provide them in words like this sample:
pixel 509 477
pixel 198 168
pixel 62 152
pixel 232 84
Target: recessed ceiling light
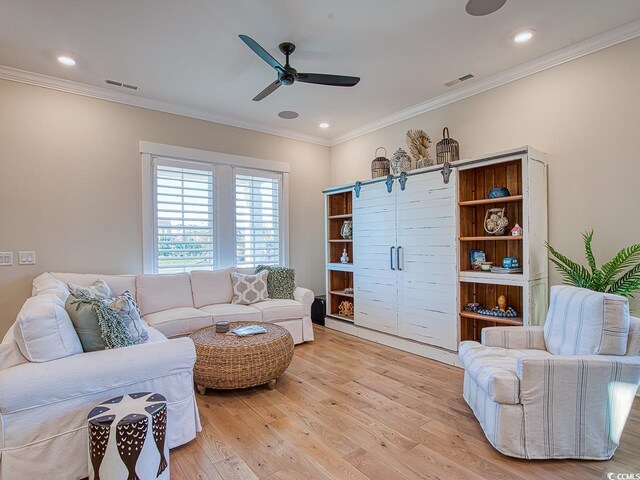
pixel 324 125
pixel 288 114
pixel 68 61
pixel 523 36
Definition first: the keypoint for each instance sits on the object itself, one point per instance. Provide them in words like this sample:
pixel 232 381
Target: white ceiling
pixel 188 52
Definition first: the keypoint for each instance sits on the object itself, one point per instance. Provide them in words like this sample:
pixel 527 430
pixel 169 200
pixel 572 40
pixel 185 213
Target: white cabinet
pixel 405 261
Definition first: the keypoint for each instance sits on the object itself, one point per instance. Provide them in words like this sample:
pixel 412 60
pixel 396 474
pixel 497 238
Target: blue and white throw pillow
pixel 125 306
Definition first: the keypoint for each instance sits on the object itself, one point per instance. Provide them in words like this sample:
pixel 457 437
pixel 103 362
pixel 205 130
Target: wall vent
pixel 468 76
pixel 120 84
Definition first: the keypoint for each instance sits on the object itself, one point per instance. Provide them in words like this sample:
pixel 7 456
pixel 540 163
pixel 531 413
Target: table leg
pixel 272 384
pixel 201 390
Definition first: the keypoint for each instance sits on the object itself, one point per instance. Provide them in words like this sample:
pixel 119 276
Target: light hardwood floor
pixel 350 409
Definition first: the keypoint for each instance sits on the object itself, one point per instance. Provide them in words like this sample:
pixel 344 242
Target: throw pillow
pixel 281 281
pixel 125 306
pixel 43 330
pixel 98 325
pixel 99 289
pixel 248 289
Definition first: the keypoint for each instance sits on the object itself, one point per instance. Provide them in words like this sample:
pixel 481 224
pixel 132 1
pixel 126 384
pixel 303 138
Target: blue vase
pixel 499 192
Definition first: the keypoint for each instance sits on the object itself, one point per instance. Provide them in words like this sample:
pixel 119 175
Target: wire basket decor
pixel 447 149
pixel 380 166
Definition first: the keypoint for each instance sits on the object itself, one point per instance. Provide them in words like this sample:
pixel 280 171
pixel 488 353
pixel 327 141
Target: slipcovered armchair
pixel 559 391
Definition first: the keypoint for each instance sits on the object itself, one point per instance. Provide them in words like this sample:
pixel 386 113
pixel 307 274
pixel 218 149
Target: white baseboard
pixel 434 353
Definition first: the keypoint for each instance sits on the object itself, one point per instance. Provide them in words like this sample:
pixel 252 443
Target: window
pixel 185 233
pixel 206 210
pixel 257 218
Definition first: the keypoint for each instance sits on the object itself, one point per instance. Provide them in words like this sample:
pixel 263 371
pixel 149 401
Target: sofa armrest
pixel 576 405
pixel 32 385
pixel 518 338
pixel 306 298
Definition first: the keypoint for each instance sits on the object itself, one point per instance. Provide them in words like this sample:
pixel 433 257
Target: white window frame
pixel 224 198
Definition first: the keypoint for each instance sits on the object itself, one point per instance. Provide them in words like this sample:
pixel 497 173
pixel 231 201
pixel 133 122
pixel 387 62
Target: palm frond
pixel 624 259
pixel 627 283
pixel 591 259
pixel 575 270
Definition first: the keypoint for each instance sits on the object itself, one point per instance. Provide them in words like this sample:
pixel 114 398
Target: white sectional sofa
pixel 44 404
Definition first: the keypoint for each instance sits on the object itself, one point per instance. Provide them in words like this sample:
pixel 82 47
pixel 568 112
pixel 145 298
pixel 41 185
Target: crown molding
pixel 69 86
pixel 572 52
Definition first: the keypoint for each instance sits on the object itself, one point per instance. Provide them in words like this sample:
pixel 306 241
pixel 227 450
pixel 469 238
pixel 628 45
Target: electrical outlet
pixel 26 258
pixel 6 259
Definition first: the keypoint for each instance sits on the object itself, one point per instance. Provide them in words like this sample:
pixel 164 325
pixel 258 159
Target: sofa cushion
pixel 584 322
pixel 117 283
pixel 211 287
pixel 98 289
pixel 248 289
pixel 127 309
pixel 85 321
pixel 281 281
pixel 494 369
pixel 233 313
pixel 281 309
pixel 43 330
pixel 179 321
pixel 47 283
pixel 156 293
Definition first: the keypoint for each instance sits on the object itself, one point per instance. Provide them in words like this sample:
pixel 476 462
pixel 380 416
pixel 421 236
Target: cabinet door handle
pixel 391 257
pixel 398 258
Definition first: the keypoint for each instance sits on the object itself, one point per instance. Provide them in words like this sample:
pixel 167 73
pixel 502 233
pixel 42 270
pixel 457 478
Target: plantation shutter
pixel 184 216
pixel 257 218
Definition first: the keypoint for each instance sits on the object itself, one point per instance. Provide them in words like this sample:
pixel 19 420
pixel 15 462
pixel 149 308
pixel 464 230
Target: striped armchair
pixel 559 391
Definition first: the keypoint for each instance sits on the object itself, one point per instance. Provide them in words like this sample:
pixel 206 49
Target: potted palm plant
pixel 619 276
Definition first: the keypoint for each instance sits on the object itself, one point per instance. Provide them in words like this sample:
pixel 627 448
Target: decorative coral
pixel 419 142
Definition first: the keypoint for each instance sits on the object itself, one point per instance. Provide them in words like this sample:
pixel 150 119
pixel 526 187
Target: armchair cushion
pixel 517 338
pixel 584 322
pixel 576 406
pixel 494 369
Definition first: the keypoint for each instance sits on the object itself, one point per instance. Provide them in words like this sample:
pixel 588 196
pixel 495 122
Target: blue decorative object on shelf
pixel 511 262
pixel 403 180
pixel 499 192
pixel 496 312
pixel 389 182
pixel 357 188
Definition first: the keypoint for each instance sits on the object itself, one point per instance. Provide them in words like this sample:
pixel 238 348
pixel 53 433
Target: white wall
pixel 70 184
pixel 583 114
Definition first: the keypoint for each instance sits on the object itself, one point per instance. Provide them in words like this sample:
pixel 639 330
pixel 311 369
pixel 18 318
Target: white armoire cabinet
pixel 409 274
pixel 405 262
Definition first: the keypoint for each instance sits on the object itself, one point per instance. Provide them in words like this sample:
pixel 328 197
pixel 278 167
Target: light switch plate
pixel 26 258
pixel 6 259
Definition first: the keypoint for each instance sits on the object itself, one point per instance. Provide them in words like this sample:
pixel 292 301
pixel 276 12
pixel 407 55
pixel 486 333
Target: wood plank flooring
pixel 350 409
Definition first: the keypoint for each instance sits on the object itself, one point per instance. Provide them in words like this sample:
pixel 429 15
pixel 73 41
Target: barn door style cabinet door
pixel 410 257
pixel 405 260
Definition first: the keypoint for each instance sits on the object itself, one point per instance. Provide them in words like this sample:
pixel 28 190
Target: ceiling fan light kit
pixel 287 75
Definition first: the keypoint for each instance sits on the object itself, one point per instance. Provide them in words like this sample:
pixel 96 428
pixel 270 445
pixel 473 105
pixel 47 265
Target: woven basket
pixel 227 361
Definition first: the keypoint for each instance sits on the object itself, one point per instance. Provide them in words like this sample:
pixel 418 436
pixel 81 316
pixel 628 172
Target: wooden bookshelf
pixel 339 208
pixel 526 292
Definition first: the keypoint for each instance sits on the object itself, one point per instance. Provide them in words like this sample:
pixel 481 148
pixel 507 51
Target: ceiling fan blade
pixel 272 87
pixel 326 79
pixel 261 52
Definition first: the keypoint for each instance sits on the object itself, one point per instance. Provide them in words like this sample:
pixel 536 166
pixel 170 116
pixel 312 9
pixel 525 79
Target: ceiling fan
pixel 287 75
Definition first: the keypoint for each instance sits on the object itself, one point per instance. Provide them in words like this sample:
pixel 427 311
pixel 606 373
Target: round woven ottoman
pixel 127 438
pixel 227 361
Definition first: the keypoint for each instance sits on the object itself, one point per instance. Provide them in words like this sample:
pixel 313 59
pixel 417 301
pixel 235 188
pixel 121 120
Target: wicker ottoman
pixel 127 438
pixel 227 361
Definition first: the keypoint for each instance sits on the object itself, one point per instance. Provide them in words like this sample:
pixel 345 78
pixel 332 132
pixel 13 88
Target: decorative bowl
pixel 499 192
pixel 486 266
